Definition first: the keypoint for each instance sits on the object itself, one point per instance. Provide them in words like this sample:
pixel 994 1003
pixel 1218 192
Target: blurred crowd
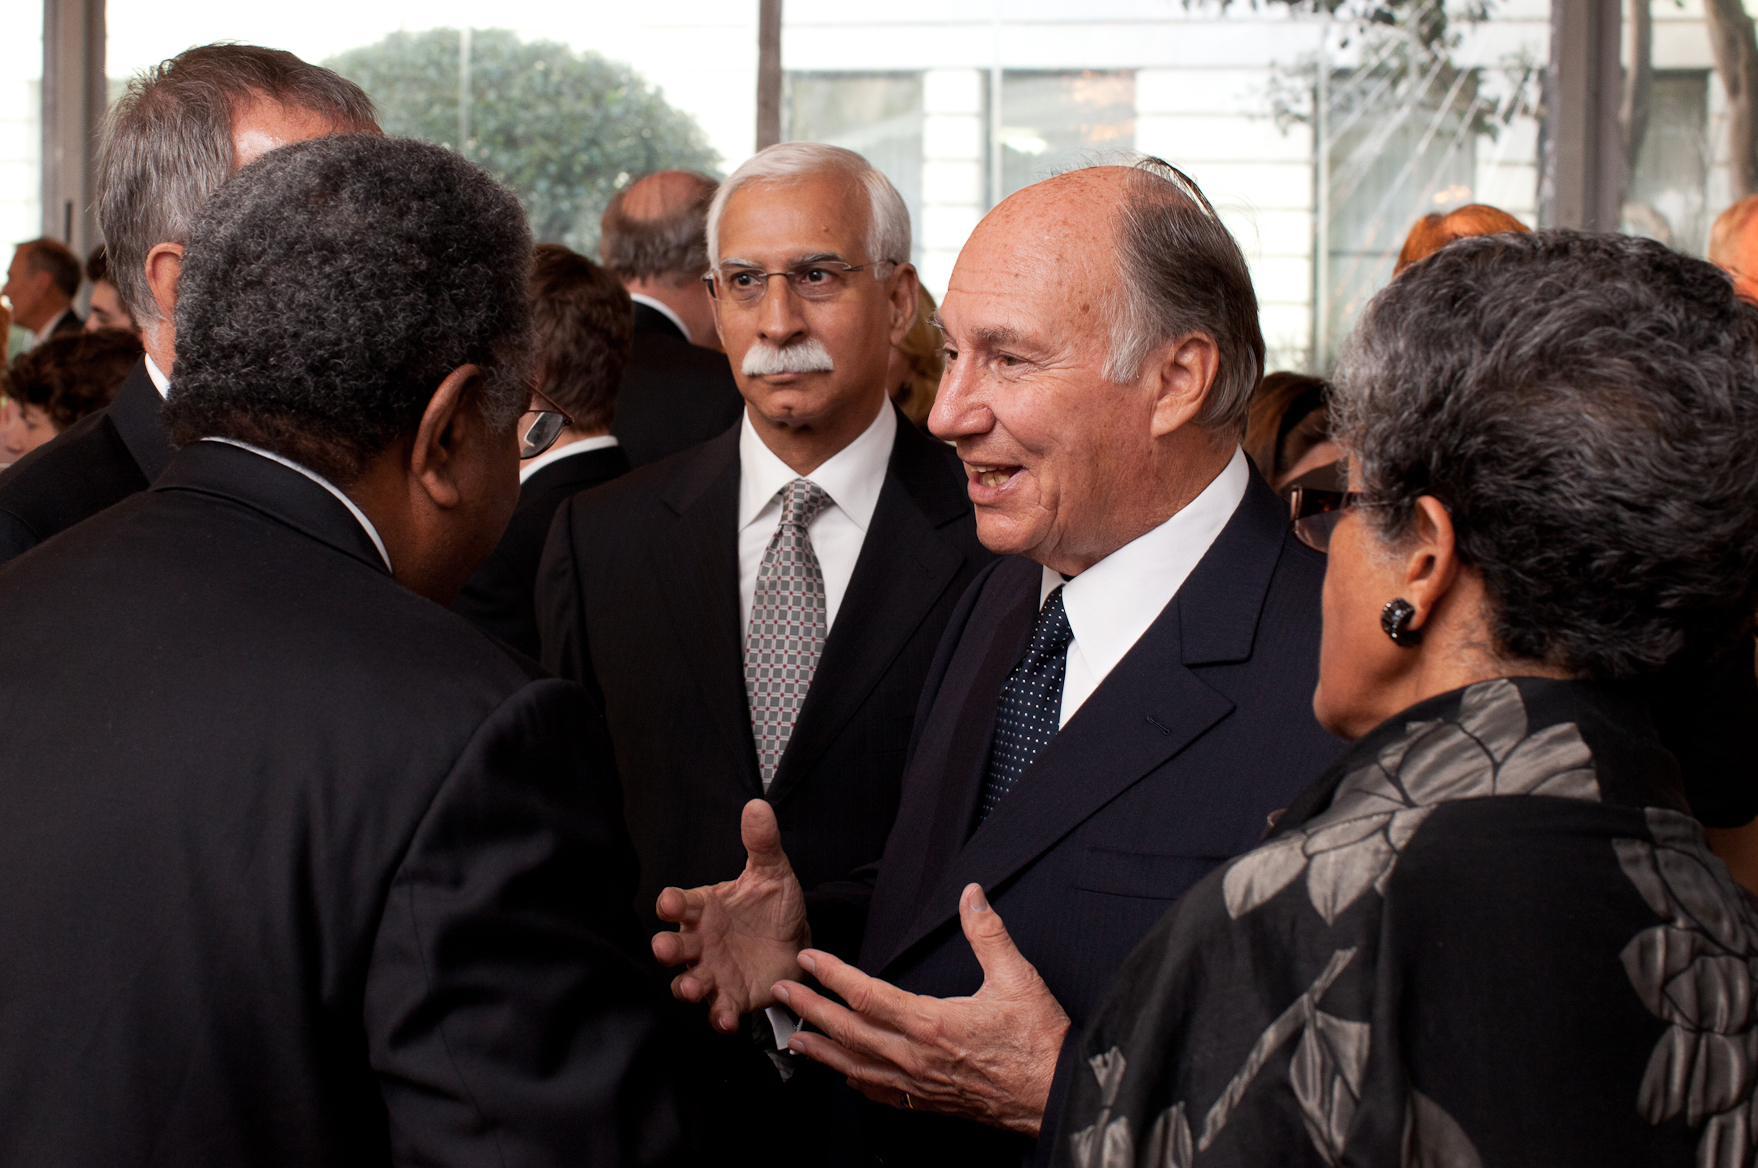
pixel 467 702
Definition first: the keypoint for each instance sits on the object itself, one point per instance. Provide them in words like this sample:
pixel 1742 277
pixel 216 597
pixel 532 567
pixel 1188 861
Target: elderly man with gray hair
pixel 758 612
pixel 181 129
pixel 1118 706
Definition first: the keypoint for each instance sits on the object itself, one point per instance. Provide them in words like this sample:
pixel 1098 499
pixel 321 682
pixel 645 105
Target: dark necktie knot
pixel 1030 710
pixel 1051 635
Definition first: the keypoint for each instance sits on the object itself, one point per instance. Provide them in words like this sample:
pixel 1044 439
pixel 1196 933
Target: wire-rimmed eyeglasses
pixel 815 280
pixel 539 428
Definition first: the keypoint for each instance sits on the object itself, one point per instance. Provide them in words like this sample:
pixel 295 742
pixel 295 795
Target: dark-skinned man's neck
pixel 806 448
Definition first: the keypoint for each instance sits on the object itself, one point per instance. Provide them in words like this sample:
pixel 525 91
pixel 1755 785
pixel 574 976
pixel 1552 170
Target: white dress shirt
pixel 160 381
pixel 1112 603
pixel 852 477
pixel 326 484
pixel 556 453
pixel 665 310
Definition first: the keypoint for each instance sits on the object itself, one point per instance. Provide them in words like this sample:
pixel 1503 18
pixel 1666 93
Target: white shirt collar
pixel 852 477
pixel 664 309
pixel 48 330
pixel 326 484
pixel 160 381
pixel 555 453
pixel 1112 603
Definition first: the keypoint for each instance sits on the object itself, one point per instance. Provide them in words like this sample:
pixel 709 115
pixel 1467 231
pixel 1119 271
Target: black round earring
pixel 1395 619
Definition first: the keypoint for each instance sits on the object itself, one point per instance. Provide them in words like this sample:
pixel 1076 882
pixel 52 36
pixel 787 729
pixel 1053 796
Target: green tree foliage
pixel 563 130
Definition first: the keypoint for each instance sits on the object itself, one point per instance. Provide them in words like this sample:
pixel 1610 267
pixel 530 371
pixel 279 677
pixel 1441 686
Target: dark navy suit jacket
pixel 1174 764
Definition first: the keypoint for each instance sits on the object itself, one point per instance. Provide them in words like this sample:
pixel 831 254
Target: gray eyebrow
pixel 814 258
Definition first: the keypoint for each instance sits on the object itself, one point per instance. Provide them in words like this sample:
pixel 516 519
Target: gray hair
pixel 671 244
pixel 330 287
pixel 888 221
pixel 167 145
pixel 1182 273
pixel 1586 406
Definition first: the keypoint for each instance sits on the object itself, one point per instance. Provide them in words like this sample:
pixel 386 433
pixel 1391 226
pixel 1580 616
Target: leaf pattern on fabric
pixel 1434 1139
pixel 1698 972
pixel 1328 1067
pixel 1106 1144
pixel 1296 1019
pixel 1169 1144
pixel 1484 750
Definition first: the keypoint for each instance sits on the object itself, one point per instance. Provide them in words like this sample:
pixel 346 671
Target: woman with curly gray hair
pixel 1492 933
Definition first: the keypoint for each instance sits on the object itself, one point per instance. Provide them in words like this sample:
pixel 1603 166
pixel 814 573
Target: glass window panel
pixel 1054 121
pixel 21 137
pixel 562 100
pixel 1682 172
pixel 877 115
pixel 1228 93
pixel 1666 194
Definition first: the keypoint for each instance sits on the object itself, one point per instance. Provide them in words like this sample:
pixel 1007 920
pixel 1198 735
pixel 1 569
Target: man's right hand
pixel 737 939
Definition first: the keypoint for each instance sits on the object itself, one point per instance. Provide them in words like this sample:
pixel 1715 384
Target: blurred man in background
pixel 108 311
pixel 41 283
pixel 584 332
pixel 178 132
pixel 677 388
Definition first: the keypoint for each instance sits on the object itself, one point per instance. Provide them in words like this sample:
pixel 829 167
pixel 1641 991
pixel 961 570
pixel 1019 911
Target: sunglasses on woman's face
pixel 1314 514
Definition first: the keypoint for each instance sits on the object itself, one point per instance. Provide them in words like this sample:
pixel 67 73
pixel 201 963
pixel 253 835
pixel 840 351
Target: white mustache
pixel 763 359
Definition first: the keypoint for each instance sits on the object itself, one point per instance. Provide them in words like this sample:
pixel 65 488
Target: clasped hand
pixel 989 1057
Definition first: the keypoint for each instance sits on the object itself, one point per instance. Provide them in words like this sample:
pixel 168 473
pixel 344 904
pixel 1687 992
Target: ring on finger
pixel 908 1102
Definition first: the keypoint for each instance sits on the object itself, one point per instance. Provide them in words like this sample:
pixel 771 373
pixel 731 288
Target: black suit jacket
pixel 68 322
pixel 1199 733
pixel 95 463
pixel 639 598
pixel 674 395
pixel 499 599
pixel 296 867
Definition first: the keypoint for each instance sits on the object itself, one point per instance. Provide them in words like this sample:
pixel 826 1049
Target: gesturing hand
pixel 738 938
pixel 989 1057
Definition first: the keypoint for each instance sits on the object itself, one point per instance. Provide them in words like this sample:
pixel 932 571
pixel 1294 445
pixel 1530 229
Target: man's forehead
pixel 812 215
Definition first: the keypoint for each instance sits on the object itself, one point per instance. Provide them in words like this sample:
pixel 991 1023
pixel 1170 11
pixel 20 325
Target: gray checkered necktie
pixel 788 626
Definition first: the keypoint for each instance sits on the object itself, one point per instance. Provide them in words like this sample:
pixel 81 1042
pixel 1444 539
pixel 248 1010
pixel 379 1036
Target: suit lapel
pixel 1150 707
pixel 1146 710
pixel 696 561
pixel 905 566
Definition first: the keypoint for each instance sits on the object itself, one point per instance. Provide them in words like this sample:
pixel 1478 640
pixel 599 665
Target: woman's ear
pixel 442 429
pixel 1432 562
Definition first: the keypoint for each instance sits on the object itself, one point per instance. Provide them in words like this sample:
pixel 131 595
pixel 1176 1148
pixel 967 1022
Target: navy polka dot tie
pixel 786 636
pixel 1031 704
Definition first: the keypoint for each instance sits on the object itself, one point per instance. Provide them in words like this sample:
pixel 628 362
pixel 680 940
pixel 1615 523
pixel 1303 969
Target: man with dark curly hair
pixel 330 877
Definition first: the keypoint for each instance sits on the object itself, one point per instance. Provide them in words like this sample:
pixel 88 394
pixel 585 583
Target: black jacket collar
pixel 262 484
pixel 650 320
pixel 134 411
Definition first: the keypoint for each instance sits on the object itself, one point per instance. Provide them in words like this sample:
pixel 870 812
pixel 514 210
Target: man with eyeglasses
pixel 1120 704
pixel 758 612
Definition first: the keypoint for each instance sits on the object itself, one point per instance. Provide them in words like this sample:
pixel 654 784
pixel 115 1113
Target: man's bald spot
pixel 662 193
pixel 261 123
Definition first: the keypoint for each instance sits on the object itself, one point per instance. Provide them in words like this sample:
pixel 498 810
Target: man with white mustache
pixel 758 613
